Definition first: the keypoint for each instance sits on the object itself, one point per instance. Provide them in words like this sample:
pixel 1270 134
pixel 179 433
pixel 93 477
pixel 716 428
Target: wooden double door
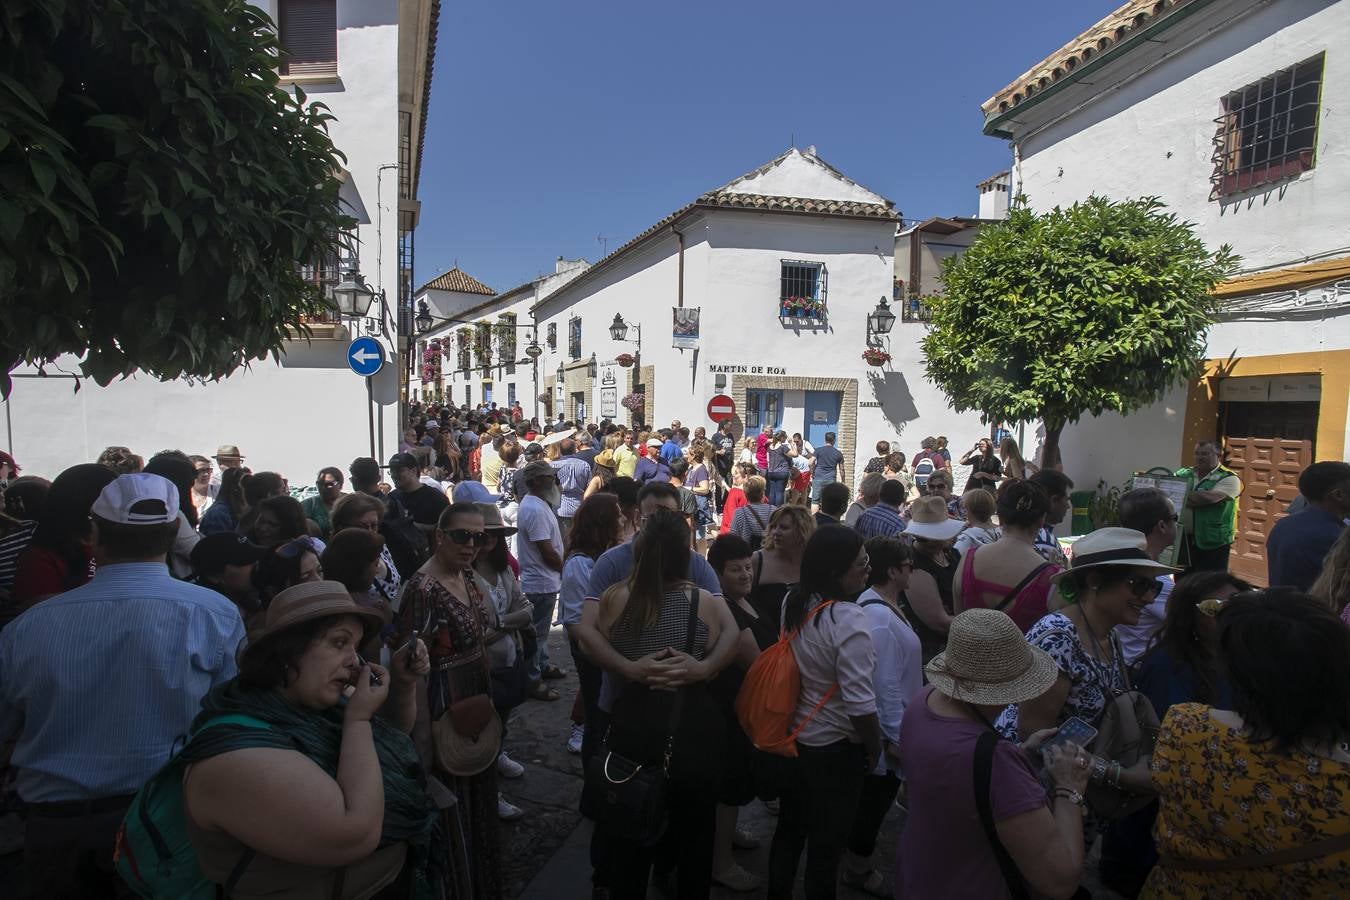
pixel 1269 469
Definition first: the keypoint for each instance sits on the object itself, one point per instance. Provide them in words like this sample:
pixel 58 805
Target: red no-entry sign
pixel 721 407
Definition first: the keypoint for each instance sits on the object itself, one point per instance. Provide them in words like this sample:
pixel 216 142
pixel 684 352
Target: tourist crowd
pixel 212 681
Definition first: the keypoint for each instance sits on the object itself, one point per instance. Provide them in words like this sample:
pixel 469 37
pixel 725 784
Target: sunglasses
pixel 463 536
pixel 1210 606
pixel 1141 585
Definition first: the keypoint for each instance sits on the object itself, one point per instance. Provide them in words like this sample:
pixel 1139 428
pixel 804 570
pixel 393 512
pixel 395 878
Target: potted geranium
pixel 634 401
pixel 875 356
pixel 625 359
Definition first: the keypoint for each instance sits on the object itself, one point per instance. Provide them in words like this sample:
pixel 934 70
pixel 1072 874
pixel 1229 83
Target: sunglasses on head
pixel 463 536
pixel 1210 606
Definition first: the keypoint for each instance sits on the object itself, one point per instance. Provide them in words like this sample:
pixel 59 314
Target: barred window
pixel 1268 130
pixel 574 338
pixel 552 339
pixel 801 292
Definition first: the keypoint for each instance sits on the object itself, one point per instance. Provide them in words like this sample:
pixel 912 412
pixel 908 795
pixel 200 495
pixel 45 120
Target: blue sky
pixel 554 123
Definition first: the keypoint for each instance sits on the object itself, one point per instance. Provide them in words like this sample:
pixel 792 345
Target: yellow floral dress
pixel 1223 796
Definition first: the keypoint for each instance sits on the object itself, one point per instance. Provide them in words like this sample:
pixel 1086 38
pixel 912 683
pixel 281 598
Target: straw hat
pixel 605 458
pixel 228 451
pixel 463 754
pixel 306 602
pixel 929 519
pixel 1112 547
pixel 492 519
pixel 557 437
pixel 988 661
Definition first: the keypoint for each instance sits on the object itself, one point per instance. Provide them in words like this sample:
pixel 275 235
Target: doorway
pixel 1269 470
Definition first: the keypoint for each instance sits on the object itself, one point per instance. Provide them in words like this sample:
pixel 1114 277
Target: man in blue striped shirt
pixel 884 519
pixel 100 682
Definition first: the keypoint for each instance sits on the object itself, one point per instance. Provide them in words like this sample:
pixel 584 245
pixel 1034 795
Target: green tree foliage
pixel 157 188
pixel 1100 306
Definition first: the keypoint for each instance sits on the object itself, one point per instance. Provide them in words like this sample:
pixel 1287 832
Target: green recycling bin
pixel 1082 511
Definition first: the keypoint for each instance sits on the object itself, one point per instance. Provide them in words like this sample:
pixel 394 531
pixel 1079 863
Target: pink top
pixel 1025 609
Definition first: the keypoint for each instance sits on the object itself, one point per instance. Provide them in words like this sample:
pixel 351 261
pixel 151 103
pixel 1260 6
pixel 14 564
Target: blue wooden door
pixel 822 415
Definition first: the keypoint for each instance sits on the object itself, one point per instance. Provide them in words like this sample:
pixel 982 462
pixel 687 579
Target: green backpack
pixel 153 854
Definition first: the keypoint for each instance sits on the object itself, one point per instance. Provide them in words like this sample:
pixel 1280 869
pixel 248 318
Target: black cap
pixel 403 461
pixel 216 551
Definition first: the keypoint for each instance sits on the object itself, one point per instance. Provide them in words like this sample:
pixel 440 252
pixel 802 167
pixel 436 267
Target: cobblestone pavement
pixel 546 854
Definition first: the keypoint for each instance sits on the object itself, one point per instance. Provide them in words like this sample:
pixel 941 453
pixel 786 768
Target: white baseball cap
pixel 138 499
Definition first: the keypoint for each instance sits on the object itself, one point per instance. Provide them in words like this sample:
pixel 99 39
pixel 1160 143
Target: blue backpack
pixel 153 854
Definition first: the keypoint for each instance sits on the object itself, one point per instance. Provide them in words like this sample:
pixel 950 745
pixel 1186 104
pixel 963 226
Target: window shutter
pixel 309 36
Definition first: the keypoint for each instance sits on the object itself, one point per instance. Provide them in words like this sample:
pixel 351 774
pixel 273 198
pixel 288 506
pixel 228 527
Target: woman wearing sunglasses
pixel 451 611
pixel 1110 580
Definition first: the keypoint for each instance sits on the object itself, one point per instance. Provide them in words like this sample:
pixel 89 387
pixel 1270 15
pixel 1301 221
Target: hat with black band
pixel 1112 547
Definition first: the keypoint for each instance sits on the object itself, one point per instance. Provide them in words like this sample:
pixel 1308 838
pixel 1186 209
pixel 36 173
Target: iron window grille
pixel 482 344
pixel 574 338
pixel 308 34
pixel 552 339
pixel 1268 130
pixel 801 296
pixel 913 306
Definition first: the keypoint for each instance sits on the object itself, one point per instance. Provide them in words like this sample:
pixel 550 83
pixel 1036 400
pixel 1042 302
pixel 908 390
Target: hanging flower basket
pixel 625 359
pixel 634 402
pixel 543 397
pixel 875 356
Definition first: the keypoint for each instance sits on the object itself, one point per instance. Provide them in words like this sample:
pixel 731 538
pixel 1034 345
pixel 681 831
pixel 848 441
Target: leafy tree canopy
pixel 157 188
pixel 1100 306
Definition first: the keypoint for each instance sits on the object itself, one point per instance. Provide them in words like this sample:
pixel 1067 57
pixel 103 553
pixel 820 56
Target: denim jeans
pixel 543 621
pixel 777 487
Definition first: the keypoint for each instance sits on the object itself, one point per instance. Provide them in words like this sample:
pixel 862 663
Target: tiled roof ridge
pixel 735 200
pixel 456 279
pixel 804 154
pixel 1098 39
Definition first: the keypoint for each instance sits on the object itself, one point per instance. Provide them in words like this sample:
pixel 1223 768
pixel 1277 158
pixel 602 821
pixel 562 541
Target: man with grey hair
pixel 586 447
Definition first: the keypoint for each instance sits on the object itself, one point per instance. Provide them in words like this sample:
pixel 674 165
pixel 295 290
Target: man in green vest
pixel 1210 516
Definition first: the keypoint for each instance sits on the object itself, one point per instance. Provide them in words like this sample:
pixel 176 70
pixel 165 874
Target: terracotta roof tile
pixel 457 280
pixel 728 199
pixel 1100 38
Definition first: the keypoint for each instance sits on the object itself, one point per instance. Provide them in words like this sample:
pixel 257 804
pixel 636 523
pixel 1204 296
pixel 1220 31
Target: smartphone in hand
pixel 1073 731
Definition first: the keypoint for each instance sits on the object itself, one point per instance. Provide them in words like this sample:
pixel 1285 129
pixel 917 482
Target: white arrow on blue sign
pixel 365 356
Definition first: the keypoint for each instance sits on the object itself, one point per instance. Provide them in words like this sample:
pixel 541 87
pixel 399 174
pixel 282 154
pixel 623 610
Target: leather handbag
pixel 1126 732
pixel 628 798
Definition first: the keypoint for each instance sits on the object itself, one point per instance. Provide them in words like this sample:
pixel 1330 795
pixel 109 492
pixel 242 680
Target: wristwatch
pixel 1069 794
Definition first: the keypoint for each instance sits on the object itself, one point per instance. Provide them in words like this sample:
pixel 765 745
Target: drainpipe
pixel 679 290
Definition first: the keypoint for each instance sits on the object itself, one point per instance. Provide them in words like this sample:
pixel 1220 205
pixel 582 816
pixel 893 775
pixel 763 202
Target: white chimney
pixel 994 196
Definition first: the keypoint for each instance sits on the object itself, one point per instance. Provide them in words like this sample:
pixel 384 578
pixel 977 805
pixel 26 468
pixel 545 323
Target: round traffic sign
pixel 721 407
pixel 365 356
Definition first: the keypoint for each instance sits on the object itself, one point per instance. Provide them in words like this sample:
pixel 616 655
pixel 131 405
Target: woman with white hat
pixel 980 823
pixel 928 599
pixel 1111 579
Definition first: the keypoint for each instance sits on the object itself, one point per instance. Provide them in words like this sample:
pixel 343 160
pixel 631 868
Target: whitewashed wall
pixel 297 417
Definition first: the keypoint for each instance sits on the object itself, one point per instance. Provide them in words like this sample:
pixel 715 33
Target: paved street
pixel 546 853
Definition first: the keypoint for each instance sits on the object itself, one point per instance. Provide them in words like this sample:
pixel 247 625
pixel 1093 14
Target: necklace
pixel 1104 667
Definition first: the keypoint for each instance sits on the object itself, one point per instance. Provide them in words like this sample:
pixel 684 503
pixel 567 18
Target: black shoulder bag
pixel 984 776
pixel 627 798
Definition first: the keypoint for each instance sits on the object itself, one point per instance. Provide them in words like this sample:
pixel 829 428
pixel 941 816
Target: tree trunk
pixel 1050 458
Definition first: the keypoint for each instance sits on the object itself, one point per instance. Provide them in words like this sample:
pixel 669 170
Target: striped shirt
pixel 101 681
pixel 880 521
pixel 11 545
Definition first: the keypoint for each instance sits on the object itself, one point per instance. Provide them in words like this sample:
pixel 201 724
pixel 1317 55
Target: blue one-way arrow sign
pixel 365 356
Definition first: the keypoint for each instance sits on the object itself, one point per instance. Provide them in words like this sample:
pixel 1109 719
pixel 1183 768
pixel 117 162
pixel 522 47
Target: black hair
pixel 289 513
pixel 893 492
pixel 884 554
pixel 625 488
pixel 26 497
pixel 660 557
pixel 269 664
pixel 119 541
pixel 663 489
pixel 1022 504
pixel 1321 478
pixel 1287 657
pixel 65 521
pixel 496 557
pixel 334 472
pixel 261 485
pixel 834 498
pixel 349 554
pixel 727 548
pixel 829 437
pixel 1143 508
pixel 1055 483
pixel 829 554
pixel 679 467
pixel 175 467
pixel 280 569
pixel 1177 636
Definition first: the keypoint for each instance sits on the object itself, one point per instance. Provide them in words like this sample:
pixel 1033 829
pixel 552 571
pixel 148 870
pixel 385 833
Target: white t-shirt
pixel 537 522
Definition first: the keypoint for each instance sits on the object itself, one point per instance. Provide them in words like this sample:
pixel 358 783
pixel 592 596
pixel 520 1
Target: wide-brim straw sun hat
pixel 1112 547
pixel 493 521
pixel 306 602
pixel 929 520
pixel 988 661
pixel 557 436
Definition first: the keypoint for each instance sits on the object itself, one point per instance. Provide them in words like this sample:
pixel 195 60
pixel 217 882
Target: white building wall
pixel 1153 136
pixel 295 417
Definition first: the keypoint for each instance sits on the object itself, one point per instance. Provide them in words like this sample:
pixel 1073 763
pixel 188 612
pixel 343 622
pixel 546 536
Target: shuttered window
pixel 309 36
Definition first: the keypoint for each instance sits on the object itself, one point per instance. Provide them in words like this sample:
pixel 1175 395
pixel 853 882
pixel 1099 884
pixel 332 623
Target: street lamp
pixel 618 330
pixel 562 373
pixel 353 295
pixel 592 367
pixel 880 320
pixel 424 319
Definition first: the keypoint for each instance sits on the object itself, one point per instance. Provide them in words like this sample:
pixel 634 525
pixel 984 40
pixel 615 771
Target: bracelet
pixel 1069 794
pixel 1115 775
pixel 1098 769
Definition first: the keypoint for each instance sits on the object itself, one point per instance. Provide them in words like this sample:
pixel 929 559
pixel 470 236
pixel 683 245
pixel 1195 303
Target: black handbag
pixel 627 798
pixel 511 684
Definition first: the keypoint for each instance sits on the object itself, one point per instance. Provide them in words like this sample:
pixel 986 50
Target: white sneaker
pixel 508 767
pixel 574 739
pixel 507 811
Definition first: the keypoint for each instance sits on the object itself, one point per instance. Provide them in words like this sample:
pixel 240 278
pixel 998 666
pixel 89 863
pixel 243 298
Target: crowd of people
pixel 321 681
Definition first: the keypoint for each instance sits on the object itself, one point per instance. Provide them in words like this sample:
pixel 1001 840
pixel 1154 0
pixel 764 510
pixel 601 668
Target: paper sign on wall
pixel 684 333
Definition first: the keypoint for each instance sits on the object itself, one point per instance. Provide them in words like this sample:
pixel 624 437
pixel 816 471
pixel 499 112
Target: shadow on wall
pixel 897 403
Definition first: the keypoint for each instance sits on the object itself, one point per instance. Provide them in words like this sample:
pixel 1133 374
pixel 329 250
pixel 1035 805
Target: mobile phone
pixel 374 678
pixel 411 648
pixel 1073 731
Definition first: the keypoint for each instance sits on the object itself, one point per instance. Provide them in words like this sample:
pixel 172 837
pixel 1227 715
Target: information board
pixel 1176 487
